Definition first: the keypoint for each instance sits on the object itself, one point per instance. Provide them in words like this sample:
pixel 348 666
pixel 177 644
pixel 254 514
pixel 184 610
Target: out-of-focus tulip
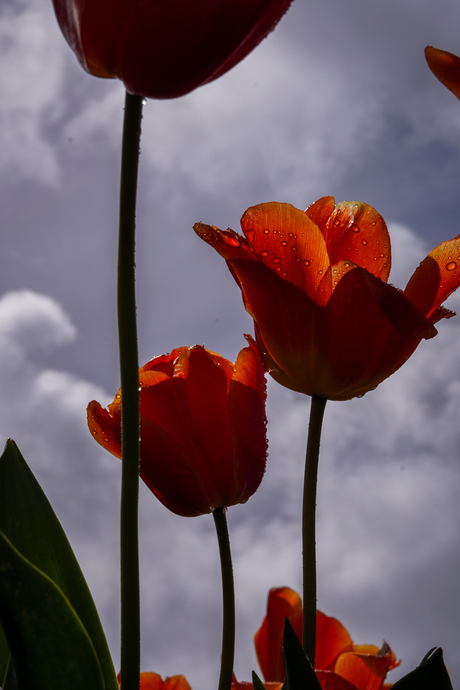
pixel 165 49
pixel 446 67
pixel 203 428
pixel 153 681
pixel 339 664
pixel 315 282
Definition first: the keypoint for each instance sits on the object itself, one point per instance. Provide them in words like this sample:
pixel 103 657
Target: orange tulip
pixel 153 681
pixel 446 67
pixel 339 664
pixel 203 428
pixel 315 282
pixel 165 49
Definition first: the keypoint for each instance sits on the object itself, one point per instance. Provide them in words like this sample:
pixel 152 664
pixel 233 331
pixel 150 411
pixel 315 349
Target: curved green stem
pixel 228 591
pixel 309 527
pixel 129 372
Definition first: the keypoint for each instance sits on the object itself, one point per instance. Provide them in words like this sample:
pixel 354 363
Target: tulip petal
pixel 354 232
pixel 288 243
pixel 446 67
pixel 332 639
pixel 437 277
pixel 366 672
pixel 105 428
pixel 331 681
pixel 268 640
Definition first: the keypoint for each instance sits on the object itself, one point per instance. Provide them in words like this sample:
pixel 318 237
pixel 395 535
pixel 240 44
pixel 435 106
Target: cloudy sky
pixel 338 100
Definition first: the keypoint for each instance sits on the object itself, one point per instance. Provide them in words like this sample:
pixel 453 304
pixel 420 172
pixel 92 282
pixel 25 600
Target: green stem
pixel 129 373
pixel 228 591
pixel 309 527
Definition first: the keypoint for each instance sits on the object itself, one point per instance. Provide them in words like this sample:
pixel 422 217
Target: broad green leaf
pixel 299 672
pixel 430 675
pixel 4 656
pixel 50 647
pixel 29 522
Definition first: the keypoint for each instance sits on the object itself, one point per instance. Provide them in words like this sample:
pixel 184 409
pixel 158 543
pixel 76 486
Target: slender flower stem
pixel 228 591
pixel 309 527
pixel 129 372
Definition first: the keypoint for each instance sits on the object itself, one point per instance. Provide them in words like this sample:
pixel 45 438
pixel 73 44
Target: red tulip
pixel 203 428
pixel 339 664
pixel 315 282
pixel 446 67
pixel 165 49
pixel 153 681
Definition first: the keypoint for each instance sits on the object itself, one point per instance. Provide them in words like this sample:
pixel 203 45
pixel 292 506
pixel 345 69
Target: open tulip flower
pixel 446 67
pixel 315 282
pixel 203 428
pixel 339 664
pixel 165 49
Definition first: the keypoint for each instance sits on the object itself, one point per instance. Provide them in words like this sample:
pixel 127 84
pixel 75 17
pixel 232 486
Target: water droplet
pixel 284 274
pixel 278 269
pixel 276 260
pixel 94 432
pixel 284 243
pixel 337 221
pixel 294 249
pixel 349 248
pixel 264 254
pixel 355 228
pixel 298 259
pixel 266 231
pixel 373 223
pixel 347 264
pixel 306 263
pixel 364 242
pixel 356 285
pixel 451 266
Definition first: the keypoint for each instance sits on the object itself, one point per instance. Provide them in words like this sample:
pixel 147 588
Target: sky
pixel 337 101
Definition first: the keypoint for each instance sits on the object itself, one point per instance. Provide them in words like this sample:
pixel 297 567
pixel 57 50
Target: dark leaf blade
pixel 49 645
pixel 256 682
pixel 430 675
pixel 29 522
pixel 4 657
pixel 299 672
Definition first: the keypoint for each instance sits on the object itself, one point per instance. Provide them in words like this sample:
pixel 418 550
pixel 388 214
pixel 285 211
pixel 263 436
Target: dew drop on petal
pixel 278 269
pixel 364 242
pixel 266 231
pixel 355 228
pixel 451 266
pixel 337 221
pixel 306 263
pixel 264 254
pixel 276 260
pixel 284 274
pixel 284 243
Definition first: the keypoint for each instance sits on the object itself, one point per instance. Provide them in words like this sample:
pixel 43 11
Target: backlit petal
pixel 105 429
pixel 288 243
pixel 366 672
pixel 446 67
pixel 437 277
pixel 332 639
pixel 356 232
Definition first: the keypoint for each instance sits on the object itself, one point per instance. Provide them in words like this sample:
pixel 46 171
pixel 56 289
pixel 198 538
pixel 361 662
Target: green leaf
pixel 29 522
pixel 431 674
pixel 256 682
pixel 49 645
pixel 4 657
pixel 299 672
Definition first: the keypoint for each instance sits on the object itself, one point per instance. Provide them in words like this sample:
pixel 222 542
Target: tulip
pixel 153 681
pixel 446 67
pixel 315 282
pixel 203 428
pixel 165 49
pixel 339 665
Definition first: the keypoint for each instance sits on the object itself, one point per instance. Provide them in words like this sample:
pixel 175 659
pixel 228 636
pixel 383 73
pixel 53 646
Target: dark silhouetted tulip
pixel 165 49
pixel 315 283
pixel 203 428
